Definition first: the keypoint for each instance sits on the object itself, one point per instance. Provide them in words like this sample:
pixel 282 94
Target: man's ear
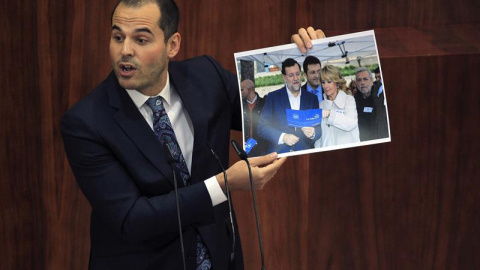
pixel 173 45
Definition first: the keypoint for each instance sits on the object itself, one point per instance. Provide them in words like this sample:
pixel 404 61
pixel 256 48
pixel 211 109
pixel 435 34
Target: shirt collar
pixel 253 101
pixel 139 99
pixel 314 91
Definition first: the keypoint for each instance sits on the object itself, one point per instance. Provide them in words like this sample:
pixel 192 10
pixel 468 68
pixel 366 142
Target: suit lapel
pixel 284 99
pixel 137 129
pixel 304 101
pixel 191 98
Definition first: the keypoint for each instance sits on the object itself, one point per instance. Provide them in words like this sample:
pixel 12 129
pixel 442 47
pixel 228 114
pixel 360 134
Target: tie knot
pixel 155 103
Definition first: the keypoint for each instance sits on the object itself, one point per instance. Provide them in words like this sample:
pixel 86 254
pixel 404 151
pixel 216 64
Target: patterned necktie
pixel 162 127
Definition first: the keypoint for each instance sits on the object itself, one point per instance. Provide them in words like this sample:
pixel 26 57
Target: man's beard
pixel 366 91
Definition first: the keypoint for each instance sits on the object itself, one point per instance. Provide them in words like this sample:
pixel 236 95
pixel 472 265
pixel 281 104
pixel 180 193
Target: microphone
pixel 170 160
pixel 229 200
pixel 243 156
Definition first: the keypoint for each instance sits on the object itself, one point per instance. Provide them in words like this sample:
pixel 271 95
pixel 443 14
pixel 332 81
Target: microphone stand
pixel 243 156
pixel 229 200
pixel 171 161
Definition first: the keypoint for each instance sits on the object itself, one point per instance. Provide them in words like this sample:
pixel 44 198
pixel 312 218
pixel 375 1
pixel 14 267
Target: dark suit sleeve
pixel 267 122
pixel 112 191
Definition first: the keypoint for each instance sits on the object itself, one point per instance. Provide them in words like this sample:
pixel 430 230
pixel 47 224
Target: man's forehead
pixel 147 15
pixel 363 74
pixel 314 66
pixel 293 68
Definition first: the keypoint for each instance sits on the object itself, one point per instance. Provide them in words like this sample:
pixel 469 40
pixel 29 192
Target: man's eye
pixel 142 41
pixel 118 38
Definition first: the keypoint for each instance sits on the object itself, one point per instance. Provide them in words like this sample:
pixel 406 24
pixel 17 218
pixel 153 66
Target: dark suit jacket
pixel 261 147
pixel 372 123
pixel 273 120
pixel 121 168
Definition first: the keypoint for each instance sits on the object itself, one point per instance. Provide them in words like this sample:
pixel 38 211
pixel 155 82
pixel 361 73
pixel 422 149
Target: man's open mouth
pixel 127 69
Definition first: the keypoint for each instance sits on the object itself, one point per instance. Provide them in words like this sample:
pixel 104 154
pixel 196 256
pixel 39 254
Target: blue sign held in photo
pixel 304 118
pixel 249 144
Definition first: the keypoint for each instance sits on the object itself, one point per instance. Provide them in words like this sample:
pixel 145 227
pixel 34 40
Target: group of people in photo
pixel 350 113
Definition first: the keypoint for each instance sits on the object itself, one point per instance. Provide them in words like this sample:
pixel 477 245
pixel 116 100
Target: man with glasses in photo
pixel 311 68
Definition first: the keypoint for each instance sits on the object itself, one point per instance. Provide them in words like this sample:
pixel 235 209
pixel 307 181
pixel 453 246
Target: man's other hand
pixel 304 38
pixel 263 170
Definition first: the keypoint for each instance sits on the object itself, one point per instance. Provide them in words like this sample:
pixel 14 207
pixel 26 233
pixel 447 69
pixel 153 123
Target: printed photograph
pixel 333 97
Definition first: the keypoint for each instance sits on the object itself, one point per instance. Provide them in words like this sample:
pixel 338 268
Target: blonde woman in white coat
pixel 339 111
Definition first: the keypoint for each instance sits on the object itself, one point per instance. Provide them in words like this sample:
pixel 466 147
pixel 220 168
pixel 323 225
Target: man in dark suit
pixel 371 109
pixel 272 124
pixel 112 143
pixel 252 108
pixel 311 68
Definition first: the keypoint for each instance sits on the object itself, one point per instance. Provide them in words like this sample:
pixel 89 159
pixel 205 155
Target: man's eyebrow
pixel 144 29
pixel 139 30
pixel 115 27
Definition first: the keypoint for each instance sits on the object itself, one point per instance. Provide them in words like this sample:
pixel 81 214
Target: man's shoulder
pixel 304 87
pixel 376 86
pixel 358 96
pixel 204 60
pixel 199 69
pixel 278 92
pixel 96 98
pixel 261 100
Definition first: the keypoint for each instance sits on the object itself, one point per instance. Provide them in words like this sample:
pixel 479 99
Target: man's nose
pixel 127 49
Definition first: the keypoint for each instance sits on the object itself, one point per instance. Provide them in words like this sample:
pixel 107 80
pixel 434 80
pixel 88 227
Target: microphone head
pixel 241 154
pixel 168 153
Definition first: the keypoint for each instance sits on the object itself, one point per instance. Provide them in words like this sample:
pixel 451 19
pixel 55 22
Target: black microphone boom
pixel 168 154
pixel 242 155
pixel 229 200
pixel 240 152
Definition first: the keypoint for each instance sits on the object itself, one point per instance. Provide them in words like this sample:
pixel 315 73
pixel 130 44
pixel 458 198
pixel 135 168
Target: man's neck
pixel 313 86
pixel 157 88
pixel 367 95
pixel 252 99
pixel 293 92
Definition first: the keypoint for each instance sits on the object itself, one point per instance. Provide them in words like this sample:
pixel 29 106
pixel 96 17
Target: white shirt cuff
pixel 280 140
pixel 215 191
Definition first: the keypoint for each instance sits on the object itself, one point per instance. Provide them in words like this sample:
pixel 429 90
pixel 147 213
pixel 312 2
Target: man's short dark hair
pixel 289 62
pixel 310 60
pixel 169 14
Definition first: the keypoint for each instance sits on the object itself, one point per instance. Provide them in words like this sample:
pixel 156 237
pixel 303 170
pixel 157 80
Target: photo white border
pixel 335 39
